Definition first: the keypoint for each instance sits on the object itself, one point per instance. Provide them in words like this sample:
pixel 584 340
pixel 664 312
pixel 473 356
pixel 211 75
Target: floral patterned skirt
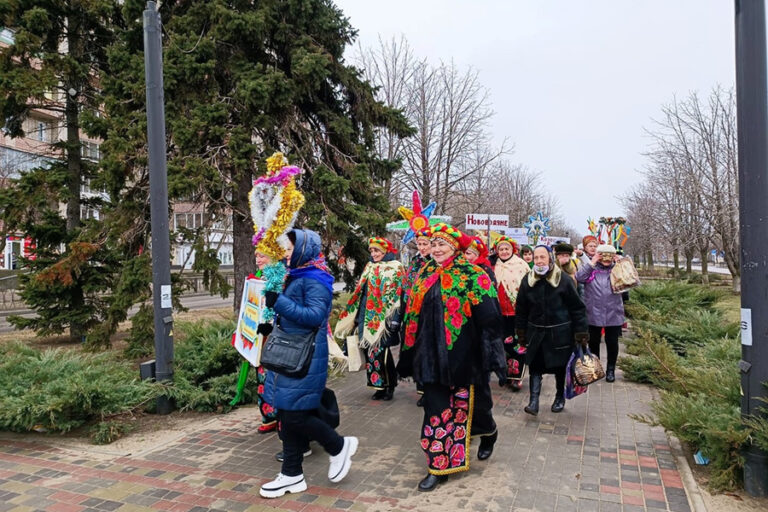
pixel 380 368
pixel 447 426
pixel 268 412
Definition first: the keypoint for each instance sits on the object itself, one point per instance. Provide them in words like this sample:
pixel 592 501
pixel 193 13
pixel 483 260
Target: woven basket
pixel 587 368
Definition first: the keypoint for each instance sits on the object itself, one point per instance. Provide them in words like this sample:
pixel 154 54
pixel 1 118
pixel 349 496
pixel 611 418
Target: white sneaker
pixel 341 463
pixel 283 484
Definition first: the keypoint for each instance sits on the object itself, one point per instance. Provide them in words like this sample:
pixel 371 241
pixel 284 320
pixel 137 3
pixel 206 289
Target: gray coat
pixel 604 308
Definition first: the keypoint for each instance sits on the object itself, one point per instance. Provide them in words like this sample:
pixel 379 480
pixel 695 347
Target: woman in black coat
pixel 550 316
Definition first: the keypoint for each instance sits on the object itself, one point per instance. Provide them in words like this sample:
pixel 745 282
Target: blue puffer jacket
pixel 304 305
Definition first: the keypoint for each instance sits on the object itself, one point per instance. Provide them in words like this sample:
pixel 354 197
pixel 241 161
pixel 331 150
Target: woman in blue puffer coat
pixel 304 307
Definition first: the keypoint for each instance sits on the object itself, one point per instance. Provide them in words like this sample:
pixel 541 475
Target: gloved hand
pixel 502 376
pixel 270 298
pixel 521 338
pixel 264 329
pixel 582 338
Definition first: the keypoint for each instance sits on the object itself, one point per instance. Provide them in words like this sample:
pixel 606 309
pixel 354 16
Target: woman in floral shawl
pixel 422 256
pixel 510 270
pixel 451 345
pixel 374 313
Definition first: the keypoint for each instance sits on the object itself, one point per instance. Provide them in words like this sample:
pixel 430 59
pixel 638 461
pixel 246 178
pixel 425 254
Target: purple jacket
pixel 604 308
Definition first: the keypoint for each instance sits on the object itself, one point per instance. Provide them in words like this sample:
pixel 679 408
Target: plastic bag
pixel 624 276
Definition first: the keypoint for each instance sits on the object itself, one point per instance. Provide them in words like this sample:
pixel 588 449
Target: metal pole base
pixel 756 472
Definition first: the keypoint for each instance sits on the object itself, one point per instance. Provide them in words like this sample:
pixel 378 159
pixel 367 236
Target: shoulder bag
pixel 288 354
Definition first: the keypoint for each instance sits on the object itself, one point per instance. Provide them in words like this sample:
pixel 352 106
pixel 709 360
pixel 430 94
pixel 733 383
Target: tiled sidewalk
pixel 591 457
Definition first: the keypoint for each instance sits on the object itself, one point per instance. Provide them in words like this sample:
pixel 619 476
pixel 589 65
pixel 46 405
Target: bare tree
pixel 692 178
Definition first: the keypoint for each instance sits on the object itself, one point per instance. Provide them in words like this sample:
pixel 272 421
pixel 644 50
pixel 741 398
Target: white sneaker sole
pixel 347 461
pixel 276 493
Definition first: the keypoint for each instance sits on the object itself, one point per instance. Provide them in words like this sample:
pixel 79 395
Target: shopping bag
pixel 624 276
pixel 354 354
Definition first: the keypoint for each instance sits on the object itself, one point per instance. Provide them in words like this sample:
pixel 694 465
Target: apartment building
pixel 42 129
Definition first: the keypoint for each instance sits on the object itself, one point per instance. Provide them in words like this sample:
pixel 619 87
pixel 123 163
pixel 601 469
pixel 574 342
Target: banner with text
pixel 481 221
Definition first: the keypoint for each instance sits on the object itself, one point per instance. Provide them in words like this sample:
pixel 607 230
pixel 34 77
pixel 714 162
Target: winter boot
pixel 533 404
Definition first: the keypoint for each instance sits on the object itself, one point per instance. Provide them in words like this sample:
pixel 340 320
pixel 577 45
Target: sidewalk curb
pixel 695 500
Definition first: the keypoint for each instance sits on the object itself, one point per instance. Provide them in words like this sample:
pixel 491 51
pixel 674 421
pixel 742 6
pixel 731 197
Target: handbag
pixel 586 367
pixel 288 354
pixel 329 408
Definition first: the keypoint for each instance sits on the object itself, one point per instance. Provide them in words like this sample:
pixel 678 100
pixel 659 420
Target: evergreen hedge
pixel 686 347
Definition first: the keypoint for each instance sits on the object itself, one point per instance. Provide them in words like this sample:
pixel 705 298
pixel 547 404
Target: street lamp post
pixel 752 111
pixel 158 196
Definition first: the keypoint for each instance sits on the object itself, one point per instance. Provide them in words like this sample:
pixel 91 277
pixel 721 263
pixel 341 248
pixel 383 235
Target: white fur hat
pixel 606 248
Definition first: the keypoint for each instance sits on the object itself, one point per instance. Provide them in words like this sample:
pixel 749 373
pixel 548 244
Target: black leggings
pixel 612 333
pixel 297 428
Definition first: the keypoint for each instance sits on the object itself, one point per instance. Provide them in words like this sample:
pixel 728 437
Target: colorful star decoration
pixel 538 226
pixel 418 217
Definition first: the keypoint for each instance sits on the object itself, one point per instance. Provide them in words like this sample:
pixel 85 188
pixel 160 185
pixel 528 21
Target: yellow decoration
pixel 276 162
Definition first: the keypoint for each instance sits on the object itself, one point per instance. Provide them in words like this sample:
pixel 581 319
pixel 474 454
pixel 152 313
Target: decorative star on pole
pixel 417 217
pixel 538 226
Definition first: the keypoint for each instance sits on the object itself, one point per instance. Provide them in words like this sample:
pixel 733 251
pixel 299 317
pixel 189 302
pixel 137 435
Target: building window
pixel 90 151
pixel 7 35
pixel 188 220
pixel 86 212
pixel 39 129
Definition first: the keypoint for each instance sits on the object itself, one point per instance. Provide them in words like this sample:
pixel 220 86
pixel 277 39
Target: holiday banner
pixel 252 309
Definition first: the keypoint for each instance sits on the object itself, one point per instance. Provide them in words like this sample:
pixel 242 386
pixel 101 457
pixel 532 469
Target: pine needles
pixel 686 346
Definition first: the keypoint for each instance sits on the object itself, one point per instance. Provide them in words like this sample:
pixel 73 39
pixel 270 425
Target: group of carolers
pixel 460 315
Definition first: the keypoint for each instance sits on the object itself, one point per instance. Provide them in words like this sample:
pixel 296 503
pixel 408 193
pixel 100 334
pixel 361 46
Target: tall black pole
pixel 158 194
pixel 752 111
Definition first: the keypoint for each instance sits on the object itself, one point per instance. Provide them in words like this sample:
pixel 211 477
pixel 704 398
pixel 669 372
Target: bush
pixel 685 346
pixel 59 390
pixel 63 389
pixel 207 367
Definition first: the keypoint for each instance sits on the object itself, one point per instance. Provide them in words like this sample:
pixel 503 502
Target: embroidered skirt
pixel 380 368
pixel 268 412
pixel 446 429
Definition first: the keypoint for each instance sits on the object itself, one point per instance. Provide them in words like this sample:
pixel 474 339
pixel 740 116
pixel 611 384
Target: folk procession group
pixel 459 315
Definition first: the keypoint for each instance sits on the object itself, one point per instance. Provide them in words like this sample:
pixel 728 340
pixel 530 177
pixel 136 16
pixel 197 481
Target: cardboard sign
pixel 247 341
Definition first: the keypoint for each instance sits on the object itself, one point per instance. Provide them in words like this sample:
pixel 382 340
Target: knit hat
pixel 526 248
pixel 381 244
pixel 587 239
pixel 563 248
pixel 424 233
pixel 606 248
pixel 503 239
pixel 477 244
pixel 451 235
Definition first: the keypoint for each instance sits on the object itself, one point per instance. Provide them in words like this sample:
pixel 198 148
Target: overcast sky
pixel 573 83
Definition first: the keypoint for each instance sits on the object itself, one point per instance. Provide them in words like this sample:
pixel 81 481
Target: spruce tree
pixel 244 79
pixel 53 68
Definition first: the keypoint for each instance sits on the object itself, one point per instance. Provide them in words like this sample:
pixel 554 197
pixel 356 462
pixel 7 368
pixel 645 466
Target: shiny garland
pixel 274 275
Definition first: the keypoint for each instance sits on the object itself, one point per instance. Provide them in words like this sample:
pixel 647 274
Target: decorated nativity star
pixel 538 226
pixel 418 217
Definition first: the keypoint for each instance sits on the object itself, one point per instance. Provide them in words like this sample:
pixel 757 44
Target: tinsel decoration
pixel 274 275
pixel 275 203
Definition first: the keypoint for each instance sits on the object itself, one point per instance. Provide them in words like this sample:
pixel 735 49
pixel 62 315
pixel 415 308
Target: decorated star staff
pixel 275 202
pixel 614 231
pixel 538 226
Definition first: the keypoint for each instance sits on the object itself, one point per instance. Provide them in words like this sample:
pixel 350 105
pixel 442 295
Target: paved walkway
pixel 591 457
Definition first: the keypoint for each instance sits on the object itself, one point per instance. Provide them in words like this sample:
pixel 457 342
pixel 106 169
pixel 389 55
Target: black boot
pixel 431 481
pixel 388 394
pixel 610 374
pixel 559 404
pixel 379 394
pixel 533 404
pixel 486 445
